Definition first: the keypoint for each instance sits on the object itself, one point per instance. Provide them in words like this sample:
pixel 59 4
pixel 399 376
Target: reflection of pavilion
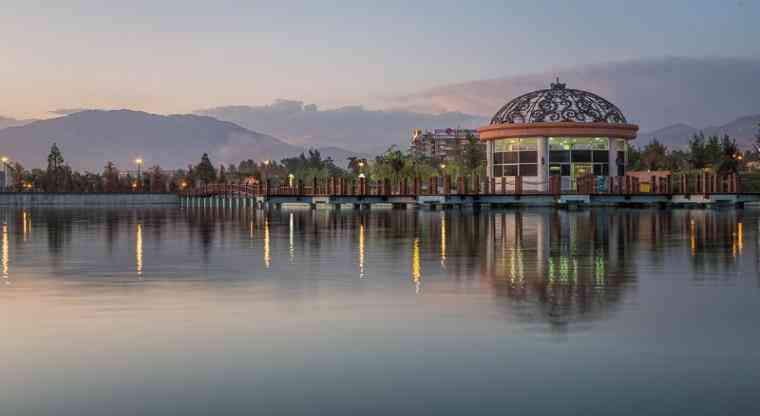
pixel 557 266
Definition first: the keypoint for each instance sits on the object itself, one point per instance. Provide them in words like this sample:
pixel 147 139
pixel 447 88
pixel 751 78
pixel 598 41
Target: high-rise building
pixel 441 144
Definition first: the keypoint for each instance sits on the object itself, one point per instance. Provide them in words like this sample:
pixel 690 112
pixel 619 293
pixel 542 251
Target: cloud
pixel 352 127
pixel 652 92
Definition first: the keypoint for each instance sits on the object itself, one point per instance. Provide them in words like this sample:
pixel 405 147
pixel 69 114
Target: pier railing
pixel 704 183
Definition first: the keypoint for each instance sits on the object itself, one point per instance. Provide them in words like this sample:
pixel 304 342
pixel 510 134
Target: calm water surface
pixel 194 312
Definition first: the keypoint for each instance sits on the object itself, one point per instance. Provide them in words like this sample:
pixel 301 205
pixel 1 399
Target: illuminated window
pixel 516 157
pixel 571 156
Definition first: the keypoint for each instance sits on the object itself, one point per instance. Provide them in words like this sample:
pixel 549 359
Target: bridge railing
pixel 704 183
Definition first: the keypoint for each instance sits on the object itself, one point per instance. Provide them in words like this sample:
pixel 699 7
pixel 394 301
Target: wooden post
pixel 447 184
pixel 555 185
pixel 518 185
pixel 476 184
pixel 493 185
pixel 737 183
pixel 416 186
pixel 700 181
pixel 387 187
pixel 460 185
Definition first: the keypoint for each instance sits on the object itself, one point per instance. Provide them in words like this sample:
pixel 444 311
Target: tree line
pixel 719 154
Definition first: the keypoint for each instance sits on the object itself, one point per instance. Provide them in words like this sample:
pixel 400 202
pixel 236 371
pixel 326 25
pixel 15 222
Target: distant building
pixel 441 144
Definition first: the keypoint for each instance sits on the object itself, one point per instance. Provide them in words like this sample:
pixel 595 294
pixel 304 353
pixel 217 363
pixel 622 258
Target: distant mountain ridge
pixel 352 127
pixel 743 129
pixel 91 138
pixel 651 92
pixel 6 122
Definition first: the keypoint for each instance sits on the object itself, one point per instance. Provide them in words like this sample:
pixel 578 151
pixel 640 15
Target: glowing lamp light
pixel 361 176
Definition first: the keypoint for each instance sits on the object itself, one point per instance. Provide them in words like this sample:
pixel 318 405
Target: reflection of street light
pixel 361 164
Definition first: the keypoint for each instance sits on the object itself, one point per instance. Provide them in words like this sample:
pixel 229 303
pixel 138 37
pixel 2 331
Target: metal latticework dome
pixel 559 104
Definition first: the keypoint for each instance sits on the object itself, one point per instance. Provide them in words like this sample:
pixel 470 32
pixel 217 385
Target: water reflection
pixel 362 238
pixel 416 266
pixel 4 254
pixel 548 267
pixel 138 250
pixel 443 239
pixel 267 254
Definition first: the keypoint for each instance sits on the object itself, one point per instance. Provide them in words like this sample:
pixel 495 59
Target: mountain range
pixel 652 92
pixel 743 130
pixel 352 127
pixel 88 139
pixel 680 93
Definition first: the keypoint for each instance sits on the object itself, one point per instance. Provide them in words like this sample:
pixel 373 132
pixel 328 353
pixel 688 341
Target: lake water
pixel 193 312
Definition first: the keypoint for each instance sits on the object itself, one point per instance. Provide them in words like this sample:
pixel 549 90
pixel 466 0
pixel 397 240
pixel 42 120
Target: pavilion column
pixel 614 146
pixel 543 164
pixel 489 158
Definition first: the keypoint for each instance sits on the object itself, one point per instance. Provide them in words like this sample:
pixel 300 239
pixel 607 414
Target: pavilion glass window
pixel 572 156
pixel 515 157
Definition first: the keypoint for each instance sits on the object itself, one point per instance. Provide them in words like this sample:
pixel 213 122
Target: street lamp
pixel 4 159
pixel 290 179
pixel 139 163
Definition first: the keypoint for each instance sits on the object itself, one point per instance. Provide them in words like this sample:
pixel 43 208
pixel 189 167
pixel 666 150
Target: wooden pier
pixel 440 192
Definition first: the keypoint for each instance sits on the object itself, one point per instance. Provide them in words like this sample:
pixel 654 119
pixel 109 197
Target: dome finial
pixel 558 85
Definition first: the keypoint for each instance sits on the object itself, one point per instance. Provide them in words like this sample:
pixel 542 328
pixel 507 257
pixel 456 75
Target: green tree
pixel 730 156
pixel 714 150
pixel 204 171
pixel 54 175
pixel 110 178
pixel 222 177
pixel 472 156
pixel 678 160
pixel 17 175
pixel 634 158
pixel 698 157
pixel 654 156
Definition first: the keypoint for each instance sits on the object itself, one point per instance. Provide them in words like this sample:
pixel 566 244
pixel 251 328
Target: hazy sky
pixel 181 55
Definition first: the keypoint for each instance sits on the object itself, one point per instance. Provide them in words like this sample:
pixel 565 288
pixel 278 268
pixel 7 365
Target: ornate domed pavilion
pixel 557 132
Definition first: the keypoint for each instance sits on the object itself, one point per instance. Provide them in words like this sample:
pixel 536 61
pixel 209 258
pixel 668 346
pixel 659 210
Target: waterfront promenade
pixel 709 190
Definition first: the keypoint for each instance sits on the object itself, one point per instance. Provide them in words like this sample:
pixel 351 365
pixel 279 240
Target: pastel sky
pixel 180 55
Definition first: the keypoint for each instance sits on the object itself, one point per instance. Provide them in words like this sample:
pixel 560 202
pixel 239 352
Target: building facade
pixel 441 144
pixel 557 132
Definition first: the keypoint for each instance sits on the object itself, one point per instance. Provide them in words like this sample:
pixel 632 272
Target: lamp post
pixel 139 163
pixel 5 171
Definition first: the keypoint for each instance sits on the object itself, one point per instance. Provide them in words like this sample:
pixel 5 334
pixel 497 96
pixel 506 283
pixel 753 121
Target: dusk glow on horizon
pixel 181 56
